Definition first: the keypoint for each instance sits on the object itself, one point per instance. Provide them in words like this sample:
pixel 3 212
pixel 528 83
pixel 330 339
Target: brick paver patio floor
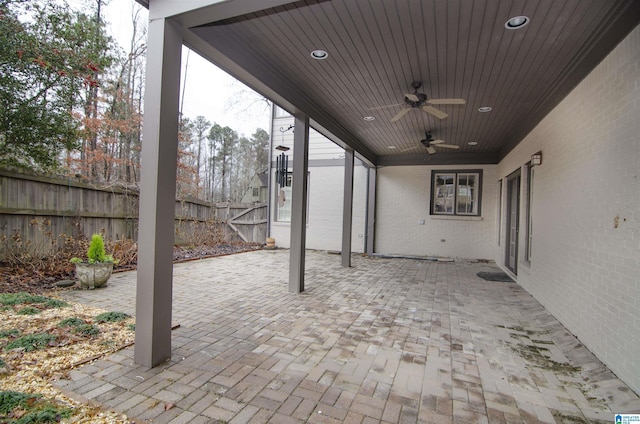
pixel 386 341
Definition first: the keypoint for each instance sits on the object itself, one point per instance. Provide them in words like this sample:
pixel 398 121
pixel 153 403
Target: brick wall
pixel 585 265
pixel 403 194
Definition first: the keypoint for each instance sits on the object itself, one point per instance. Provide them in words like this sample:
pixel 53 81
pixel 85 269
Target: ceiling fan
pixel 420 100
pixel 430 143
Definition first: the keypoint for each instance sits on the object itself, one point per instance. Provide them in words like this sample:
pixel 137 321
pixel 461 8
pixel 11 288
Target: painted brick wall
pixel 585 265
pixel 403 201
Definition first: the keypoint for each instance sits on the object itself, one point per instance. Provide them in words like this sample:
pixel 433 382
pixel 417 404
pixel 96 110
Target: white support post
pixel 347 208
pixel 299 203
pixel 157 194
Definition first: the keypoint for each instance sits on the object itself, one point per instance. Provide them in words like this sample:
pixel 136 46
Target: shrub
pixel 96 253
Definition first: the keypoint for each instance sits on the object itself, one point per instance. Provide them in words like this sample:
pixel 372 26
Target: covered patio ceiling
pixel 378 48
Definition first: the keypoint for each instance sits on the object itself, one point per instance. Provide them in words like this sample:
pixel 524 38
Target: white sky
pixel 209 91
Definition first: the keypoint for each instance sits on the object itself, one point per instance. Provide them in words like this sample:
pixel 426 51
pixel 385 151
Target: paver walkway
pixel 386 341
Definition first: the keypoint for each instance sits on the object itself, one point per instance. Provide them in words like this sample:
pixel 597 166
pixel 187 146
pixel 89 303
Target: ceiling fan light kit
pixel 417 100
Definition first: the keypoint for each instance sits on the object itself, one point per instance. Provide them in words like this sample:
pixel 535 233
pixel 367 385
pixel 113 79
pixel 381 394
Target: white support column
pixel 299 203
pixel 347 208
pixel 371 211
pixel 157 194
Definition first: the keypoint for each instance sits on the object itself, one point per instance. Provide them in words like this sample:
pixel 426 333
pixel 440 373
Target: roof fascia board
pixel 191 13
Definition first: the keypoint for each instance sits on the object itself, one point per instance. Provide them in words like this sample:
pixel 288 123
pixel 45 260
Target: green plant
pixel 29 310
pixel 96 253
pixel 56 303
pixel 71 322
pixel 10 400
pixel 9 333
pixel 48 414
pixel 112 317
pixel 31 342
pixel 9 299
pixel 87 330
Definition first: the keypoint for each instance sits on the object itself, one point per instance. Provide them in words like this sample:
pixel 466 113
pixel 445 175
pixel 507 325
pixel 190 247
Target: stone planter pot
pixel 92 276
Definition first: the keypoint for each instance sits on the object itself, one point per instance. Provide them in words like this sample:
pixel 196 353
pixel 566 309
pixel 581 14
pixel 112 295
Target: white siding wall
pixel 403 194
pixel 585 267
pixel 324 226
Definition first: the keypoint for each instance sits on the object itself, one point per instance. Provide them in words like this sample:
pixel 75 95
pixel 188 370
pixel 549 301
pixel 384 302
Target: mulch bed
pixel 32 280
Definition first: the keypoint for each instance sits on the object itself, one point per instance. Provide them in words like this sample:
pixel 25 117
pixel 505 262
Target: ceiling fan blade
pixel 409 148
pixel 385 107
pixel 401 114
pixel 446 101
pixel 448 146
pixel 431 150
pixel 436 142
pixel 435 112
pixel 412 98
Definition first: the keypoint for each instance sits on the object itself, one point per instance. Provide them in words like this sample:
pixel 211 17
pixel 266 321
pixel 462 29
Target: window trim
pixel 529 218
pixel 456 173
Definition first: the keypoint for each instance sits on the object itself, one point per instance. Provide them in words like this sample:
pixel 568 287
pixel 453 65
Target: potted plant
pixel 95 272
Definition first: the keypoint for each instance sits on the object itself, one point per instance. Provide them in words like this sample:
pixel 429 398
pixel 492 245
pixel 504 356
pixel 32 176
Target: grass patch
pixel 31 342
pixel 11 400
pixel 48 414
pixel 23 408
pixel 112 317
pixel 29 310
pixel 86 330
pixel 71 322
pixel 56 303
pixel 131 327
pixel 11 299
pixel 4 334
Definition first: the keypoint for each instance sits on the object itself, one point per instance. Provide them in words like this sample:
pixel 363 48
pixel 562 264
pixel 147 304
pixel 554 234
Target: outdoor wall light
pixel 536 159
pixel 282 148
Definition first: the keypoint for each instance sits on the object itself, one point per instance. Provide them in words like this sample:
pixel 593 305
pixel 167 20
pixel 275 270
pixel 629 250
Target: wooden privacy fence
pixel 38 209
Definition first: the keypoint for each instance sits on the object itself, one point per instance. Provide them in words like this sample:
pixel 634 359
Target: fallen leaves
pixel 56 350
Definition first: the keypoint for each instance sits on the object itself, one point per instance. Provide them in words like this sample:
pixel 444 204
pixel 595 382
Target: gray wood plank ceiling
pixel 456 48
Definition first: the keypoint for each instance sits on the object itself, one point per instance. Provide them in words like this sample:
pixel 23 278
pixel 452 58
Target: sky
pixel 208 91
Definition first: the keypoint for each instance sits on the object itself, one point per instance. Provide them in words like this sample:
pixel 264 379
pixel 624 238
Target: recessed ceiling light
pixel 472 143
pixel 516 22
pixel 391 147
pixel 484 109
pixel 369 118
pixel 319 54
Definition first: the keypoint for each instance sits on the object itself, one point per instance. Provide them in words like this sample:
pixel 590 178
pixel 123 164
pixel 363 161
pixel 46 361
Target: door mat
pixel 495 276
